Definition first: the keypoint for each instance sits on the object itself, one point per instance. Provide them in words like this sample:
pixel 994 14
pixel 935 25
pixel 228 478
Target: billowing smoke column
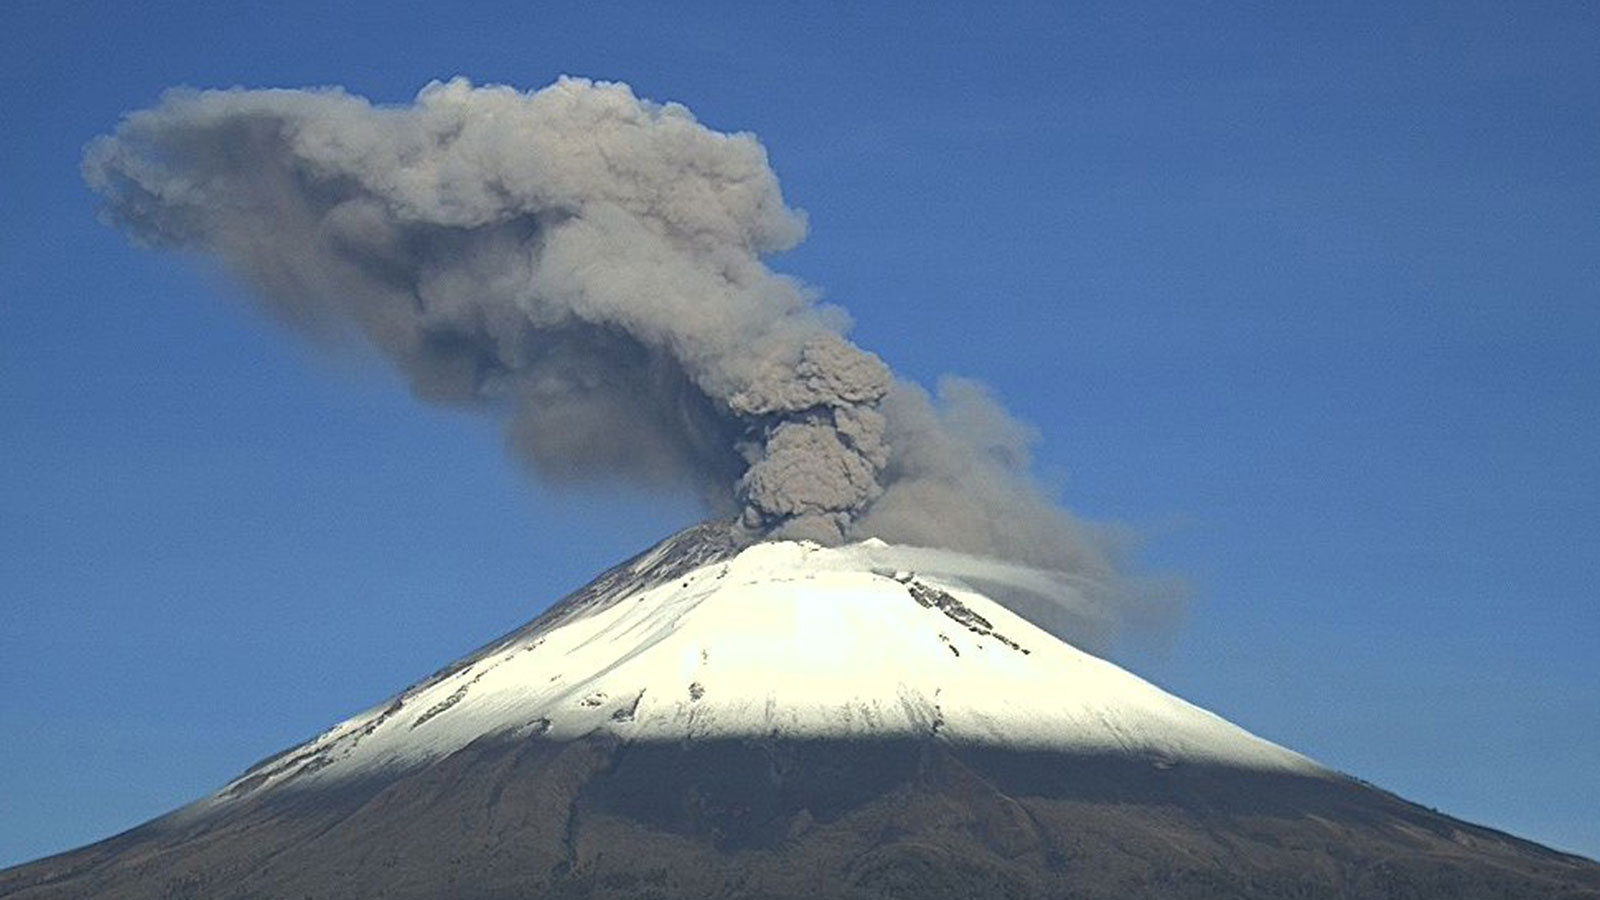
pixel 590 263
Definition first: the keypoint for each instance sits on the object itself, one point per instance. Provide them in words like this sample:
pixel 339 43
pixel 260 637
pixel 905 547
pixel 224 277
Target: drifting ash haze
pixel 589 264
pixel 735 712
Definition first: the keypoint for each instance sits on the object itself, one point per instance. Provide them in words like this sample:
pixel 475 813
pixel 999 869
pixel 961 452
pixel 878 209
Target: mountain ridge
pixel 702 637
pixel 813 722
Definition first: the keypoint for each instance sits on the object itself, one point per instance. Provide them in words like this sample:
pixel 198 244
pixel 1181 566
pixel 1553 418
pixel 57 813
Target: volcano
pixel 787 720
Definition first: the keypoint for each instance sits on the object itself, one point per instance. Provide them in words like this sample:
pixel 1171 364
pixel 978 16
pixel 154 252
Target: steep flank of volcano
pixel 784 720
pixel 698 640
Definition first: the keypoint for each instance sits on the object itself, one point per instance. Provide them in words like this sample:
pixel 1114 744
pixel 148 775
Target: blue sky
pixel 1307 296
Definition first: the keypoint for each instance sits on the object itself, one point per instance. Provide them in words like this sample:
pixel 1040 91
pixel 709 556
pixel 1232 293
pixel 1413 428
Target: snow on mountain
pixel 699 639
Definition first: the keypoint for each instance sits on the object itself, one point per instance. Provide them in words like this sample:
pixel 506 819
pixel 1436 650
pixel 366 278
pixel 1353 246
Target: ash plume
pixel 588 264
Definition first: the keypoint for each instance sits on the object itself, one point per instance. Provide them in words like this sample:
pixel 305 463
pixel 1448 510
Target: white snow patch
pixel 789 640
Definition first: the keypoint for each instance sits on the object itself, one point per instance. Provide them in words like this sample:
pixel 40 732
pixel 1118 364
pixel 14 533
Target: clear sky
pixel 1306 295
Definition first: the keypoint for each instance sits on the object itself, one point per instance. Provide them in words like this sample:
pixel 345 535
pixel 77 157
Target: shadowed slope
pixel 788 721
pixel 914 819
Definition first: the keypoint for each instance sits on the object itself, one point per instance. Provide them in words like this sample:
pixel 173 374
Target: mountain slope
pixel 785 720
pixel 693 641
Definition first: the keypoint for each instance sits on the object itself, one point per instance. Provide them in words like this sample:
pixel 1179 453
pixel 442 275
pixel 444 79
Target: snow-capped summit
pixel 785 721
pixel 700 639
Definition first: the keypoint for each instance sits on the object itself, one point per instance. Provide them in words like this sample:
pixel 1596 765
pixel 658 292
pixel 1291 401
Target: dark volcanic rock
pixel 627 813
pixel 894 819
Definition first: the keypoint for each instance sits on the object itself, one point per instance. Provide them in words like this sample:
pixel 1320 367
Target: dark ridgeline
pixel 522 818
pixel 598 818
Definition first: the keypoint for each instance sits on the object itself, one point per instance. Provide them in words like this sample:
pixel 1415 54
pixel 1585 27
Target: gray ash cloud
pixel 589 265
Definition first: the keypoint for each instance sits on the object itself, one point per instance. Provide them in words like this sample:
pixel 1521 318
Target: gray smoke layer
pixel 590 264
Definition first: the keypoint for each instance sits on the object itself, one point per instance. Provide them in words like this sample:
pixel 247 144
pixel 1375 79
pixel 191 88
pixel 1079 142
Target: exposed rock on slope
pixel 782 721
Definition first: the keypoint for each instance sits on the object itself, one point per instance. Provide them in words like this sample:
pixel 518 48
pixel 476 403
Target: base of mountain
pixel 598 818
